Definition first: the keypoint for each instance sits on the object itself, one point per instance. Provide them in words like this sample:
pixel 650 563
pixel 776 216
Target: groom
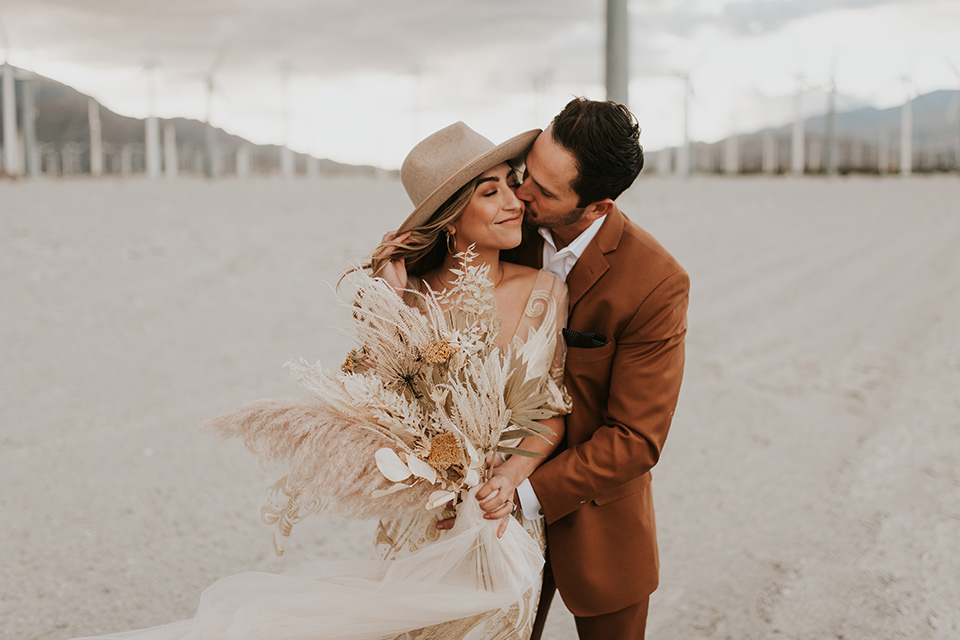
pixel 625 354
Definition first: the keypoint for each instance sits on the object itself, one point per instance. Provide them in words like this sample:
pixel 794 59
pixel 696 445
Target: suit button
pixel 583 502
pixel 541 512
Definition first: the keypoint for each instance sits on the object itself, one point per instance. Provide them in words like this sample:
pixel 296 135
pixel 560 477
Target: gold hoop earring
pixel 452 248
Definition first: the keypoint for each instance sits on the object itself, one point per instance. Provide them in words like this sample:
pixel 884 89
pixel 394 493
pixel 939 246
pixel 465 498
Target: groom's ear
pixel 599 209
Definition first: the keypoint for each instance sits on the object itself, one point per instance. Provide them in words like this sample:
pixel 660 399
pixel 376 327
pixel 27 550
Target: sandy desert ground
pixel 810 487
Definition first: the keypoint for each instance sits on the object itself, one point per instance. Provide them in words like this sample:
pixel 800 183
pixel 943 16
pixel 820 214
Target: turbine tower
pixel 31 151
pixel 96 137
pixel 211 158
pixel 683 153
pixel 286 154
pixel 956 72
pixel 906 130
pixel 797 159
pixel 171 164
pixel 731 150
pixel 831 135
pixel 618 52
pixel 152 133
pixel 11 147
pixel 831 143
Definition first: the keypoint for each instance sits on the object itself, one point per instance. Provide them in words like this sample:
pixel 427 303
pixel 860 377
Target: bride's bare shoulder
pixel 520 274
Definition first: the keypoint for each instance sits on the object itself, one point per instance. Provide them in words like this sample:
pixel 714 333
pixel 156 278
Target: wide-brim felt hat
pixel 445 161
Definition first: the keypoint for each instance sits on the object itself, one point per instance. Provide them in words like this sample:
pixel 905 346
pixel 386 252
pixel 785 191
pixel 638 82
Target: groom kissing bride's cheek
pixel 519 354
pixel 624 364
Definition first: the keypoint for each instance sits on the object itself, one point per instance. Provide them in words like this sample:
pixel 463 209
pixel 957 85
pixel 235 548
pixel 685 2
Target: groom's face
pixel 546 189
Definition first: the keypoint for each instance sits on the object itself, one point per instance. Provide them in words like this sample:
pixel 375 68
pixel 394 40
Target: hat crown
pixel 439 157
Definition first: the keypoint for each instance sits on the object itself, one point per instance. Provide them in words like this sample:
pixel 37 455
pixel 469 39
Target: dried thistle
pixel 438 351
pixel 444 452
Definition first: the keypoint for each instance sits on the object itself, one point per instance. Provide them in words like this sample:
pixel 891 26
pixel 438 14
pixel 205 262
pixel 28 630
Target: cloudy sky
pixel 362 80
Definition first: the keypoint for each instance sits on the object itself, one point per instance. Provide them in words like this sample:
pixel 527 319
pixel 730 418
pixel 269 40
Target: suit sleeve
pixel 645 378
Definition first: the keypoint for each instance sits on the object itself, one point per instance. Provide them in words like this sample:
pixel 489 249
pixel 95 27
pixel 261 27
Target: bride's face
pixel 492 219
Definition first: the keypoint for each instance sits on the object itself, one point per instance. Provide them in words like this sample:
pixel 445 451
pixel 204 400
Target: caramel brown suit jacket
pixel 595 491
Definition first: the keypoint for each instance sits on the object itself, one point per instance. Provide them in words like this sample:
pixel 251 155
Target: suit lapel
pixel 592 264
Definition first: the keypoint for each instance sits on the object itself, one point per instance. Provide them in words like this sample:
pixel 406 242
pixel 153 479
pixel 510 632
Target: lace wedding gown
pixel 537 335
pixel 459 584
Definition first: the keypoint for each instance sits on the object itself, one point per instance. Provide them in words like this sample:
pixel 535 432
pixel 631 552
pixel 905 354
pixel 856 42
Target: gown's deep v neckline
pixel 505 342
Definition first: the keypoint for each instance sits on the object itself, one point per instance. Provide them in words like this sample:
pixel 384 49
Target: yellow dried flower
pixel 444 452
pixel 354 358
pixel 437 351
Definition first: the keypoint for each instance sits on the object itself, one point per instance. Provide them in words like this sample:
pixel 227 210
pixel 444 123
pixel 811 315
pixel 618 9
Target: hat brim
pixel 503 152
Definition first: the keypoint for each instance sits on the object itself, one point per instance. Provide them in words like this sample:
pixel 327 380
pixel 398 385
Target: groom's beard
pixel 570 217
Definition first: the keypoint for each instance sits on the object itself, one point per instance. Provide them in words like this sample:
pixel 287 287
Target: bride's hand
pixel 394 271
pixel 498 496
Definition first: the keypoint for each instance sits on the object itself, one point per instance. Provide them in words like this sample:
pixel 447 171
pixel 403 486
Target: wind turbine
pixel 683 153
pixel 731 148
pixel 26 160
pixel 683 164
pixel 171 164
pixel 11 147
pixel 96 137
pixel 211 159
pixel 31 150
pixel 618 52
pixel 797 159
pixel 286 154
pixel 152 133
pixel 955 114
pixel 906 129
pixel 831 142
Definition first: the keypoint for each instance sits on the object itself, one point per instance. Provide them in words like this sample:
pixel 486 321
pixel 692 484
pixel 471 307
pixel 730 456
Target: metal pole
pixel 152 133
pixel 11 148
pixel 769 153
pixel 96 138
pixel 32 155
pixel 170 161
pixel 618 52
pixel 683 153
pixel 831 142
pixel 731 155
pixel 243 161
pixel 797 144
pixel 286 154
pixel 906 137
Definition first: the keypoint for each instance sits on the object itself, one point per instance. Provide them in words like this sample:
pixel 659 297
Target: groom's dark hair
pixel 604 138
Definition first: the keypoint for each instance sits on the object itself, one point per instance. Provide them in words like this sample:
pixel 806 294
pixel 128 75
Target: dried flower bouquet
pixel 414 416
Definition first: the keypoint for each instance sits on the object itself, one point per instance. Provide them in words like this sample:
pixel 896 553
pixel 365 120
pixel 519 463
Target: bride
pixel 453 398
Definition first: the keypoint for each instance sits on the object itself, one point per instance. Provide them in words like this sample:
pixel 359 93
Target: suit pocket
pixel 589 354
pixel 634 486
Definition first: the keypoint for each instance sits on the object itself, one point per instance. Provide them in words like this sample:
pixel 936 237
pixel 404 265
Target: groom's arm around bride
pixel 625 338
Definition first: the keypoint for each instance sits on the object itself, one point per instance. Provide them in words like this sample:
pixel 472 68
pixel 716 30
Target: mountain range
pixel 865 136
pixel 62 122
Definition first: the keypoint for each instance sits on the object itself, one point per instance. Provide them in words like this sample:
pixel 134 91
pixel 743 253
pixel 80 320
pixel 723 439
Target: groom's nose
pixel 524 191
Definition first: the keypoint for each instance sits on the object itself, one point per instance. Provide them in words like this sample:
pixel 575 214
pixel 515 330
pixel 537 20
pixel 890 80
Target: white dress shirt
pixel 559 263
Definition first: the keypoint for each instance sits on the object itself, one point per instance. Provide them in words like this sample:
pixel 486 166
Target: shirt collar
pixel 579 244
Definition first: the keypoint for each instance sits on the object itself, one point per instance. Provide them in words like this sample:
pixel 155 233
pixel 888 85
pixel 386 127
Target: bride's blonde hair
pixel 423 250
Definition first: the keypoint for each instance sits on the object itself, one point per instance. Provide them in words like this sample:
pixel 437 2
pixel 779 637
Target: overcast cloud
pixel 431 61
